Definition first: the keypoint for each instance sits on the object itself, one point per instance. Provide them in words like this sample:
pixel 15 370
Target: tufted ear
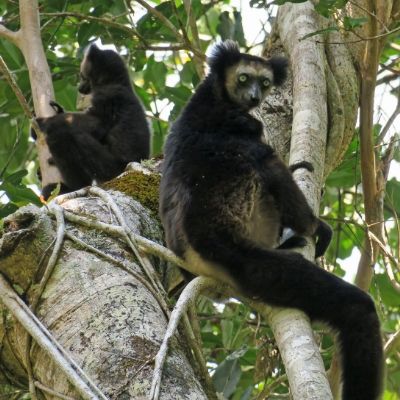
pixel 279 67
pixel 92 51
pixel 223 55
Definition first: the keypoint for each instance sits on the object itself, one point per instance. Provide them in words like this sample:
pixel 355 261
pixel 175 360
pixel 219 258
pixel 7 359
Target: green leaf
pixel 238 33
pixel 7 209
pixel 388 294
pixel 152 28
pixel 20 195
pixel 392 194
pixel 247 393
pixel 227 376
pixel 347 174
pixel 225 27
pixel 12 55
pixel 179 95
pixel 327 7
pixel 55 192
pixel 155 74
pixel 227 332
pixel 16 177
pixel 351 23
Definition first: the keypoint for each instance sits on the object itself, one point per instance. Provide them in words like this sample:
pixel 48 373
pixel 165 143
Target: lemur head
pixel 246 79
pixel 100 68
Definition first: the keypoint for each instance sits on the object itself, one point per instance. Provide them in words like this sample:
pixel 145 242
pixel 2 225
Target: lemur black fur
pixel 225 196
pixel 98 144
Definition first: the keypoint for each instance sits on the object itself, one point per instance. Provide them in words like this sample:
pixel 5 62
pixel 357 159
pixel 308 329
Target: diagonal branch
pixel 188 296
pixel 13 37
pixel 389 122
pixel 18 93
pixel 162 18
pixel 45 340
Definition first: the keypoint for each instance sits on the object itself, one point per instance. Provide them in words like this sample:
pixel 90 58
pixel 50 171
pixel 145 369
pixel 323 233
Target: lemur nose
pixel 254 100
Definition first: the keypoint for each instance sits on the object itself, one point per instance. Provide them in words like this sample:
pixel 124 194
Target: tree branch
pixel 308 142
pixel 45 340
pixel 13 37
pixel 101 20
pixel 389 123
pixel 40 80
pixel 18 93
pixel 189 294
pixel 393 343
pixel 162 19
pixel 373 209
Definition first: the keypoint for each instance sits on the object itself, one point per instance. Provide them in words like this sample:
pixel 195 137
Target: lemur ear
pixel 223 54
pixel 92 51
pixel 279 67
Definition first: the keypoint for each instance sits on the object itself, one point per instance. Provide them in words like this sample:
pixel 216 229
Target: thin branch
pixel 45 340
pixel 37 294
pixel 128 29
pixel 180 37
pixel 389 122
pixel 193 289
pixel 100 20
pixel 46 389
pixel 146 244
pixel 58 212
pixel 370 184
pixel 162 18
pixel 13 37
pixel 11 152
pixel 130 14
pixel 144 261
pixel 172 47
pixel 18 93
pixel 195 33
pixel 395 262
pixel 393 62
pixel 362 39
pixel 373 15
pixel 388 78
pixel 393 343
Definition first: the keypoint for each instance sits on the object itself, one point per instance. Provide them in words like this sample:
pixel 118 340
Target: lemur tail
pixel 286 279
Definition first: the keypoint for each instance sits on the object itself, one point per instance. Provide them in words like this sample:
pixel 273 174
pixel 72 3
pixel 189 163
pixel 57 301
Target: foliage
pixel 165 61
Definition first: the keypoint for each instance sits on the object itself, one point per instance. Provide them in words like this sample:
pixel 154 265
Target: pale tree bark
pixel 109 319
pixel 29 41
pixel 329 75
pixel 98 303
pixel 307 90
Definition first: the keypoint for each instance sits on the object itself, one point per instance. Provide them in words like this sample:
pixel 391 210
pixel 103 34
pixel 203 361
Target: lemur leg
pixel 295 211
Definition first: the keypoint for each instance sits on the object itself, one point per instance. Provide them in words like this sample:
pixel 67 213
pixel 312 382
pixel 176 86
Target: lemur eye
pixel 266 82
pixel 243 78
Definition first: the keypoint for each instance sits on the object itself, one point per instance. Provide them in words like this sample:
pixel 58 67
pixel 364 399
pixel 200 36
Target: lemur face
pixel 248 83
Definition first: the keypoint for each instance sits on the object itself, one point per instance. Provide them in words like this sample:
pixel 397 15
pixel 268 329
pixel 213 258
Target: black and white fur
pixel 96 145
pixel 225 196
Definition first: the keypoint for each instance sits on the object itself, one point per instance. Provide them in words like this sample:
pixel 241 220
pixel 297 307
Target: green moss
pixel 141 187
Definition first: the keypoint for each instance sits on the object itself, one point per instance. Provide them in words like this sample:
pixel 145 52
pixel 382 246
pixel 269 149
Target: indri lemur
pixel 225 196
pixel 98 144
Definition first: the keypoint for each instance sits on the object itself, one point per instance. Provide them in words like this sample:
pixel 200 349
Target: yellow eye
pixel 266 82
pixel 243 78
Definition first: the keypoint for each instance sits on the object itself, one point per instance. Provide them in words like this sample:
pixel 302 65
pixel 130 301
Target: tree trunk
pixel 99 307
pixel 312 119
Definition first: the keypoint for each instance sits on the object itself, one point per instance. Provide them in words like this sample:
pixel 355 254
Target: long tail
pixel 285 278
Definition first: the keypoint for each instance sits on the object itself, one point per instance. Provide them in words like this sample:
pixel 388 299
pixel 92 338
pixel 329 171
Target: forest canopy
pixel 165 46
